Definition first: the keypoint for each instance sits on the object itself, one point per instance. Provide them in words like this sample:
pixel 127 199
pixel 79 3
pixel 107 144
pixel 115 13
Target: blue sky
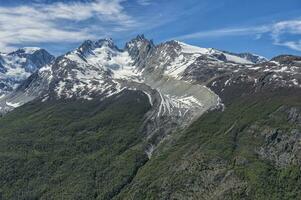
pixel 268 28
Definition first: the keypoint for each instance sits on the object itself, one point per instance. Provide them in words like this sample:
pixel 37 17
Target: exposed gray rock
pixel 282 146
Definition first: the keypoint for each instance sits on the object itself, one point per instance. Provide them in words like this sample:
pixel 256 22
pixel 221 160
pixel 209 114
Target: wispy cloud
pixel 277 31
pixel 73 21
pixel 144 2
pixel 225 32
pixel 281 29
pixel 61 22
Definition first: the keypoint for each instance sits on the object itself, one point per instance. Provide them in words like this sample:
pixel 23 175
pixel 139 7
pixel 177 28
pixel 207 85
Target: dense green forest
pixel 72 150
pixel 95 150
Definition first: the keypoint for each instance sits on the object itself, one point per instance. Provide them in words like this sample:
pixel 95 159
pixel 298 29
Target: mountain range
pixel 149 121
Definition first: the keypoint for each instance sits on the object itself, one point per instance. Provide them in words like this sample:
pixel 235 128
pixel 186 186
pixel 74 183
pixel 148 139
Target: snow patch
pixel 295 82
pixel 189 49
pixel 236 59
pixel 149 98
pixel 31 50
pixel 14 105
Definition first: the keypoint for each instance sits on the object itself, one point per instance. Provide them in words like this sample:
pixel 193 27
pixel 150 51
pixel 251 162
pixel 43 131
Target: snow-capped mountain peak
pixel 103 54
pixel 87 46
pixel 26 50
pixel 190 49
pixel 139 47
pixel 18 65
pixel 211 52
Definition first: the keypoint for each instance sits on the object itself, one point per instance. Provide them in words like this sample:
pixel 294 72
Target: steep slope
pixel 17 66
pixel 249 151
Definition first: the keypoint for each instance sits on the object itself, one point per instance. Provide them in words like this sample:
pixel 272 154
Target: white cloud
pixel 295 45
pixel 281 29
pixel 278 32
pixel 61 22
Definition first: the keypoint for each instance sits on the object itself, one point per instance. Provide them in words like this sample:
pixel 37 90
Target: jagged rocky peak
pixel 101 54
pixel 139 44
pixel 17 68
pixel 138 41
pixel 172 45
pixel 29 58
pixel 139 48
pixel 88 46
pixel 106 42
pixel 25 50
pixel 30 51
pixel 18 65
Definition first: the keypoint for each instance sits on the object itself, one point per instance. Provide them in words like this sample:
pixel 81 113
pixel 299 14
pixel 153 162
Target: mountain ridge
pixel 181 81
pixel 153 121
pixel 139 61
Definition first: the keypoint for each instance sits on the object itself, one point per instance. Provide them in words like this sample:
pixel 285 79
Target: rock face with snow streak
pixel 17 66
